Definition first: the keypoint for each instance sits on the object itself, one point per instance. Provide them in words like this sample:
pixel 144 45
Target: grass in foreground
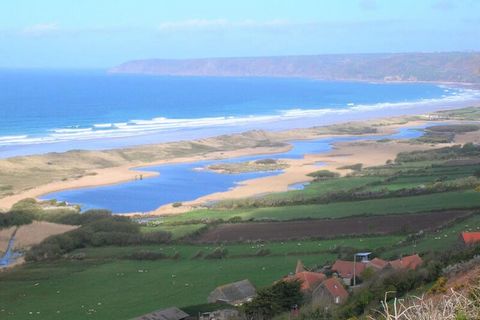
pixel 112 288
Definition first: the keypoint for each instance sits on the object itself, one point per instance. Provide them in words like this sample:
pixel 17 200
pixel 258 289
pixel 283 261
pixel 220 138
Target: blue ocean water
pixel 48 107
pixel 183 182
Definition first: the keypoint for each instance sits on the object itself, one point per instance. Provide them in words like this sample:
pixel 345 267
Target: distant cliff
pixel 445 67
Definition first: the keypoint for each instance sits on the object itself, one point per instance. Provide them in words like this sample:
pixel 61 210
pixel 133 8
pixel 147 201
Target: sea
pixel 58 110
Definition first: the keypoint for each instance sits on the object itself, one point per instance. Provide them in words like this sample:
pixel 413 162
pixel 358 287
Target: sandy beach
pixel 125 173
pixel 369 153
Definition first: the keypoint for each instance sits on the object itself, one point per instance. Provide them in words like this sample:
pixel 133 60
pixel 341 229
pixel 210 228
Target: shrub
pixel 266 161
pixel 15 219
pixel 157 237
pixel 323 174
pixel 99 228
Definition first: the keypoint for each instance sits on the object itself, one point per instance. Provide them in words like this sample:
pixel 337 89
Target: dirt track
pixel 329 228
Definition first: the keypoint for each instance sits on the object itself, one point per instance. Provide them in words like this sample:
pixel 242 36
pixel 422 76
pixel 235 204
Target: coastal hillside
pixel 445 67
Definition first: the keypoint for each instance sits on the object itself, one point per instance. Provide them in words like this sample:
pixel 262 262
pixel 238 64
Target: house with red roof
pixel 309 280
pixel 345 270
pixel 409 262
pixel 470 238
pixel 377 264
pixel 329 292
pixel 300 267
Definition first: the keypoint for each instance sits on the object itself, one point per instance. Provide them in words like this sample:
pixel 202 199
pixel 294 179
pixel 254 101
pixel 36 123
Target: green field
pixel 103 282
pixel 112 282
pixel 436 201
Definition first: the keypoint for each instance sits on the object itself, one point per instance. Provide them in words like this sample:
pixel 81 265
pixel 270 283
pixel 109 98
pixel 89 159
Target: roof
pixel 377 263
pixel 335 288
pixel 363 254
pixel 470 237
pixel 345 268
pixel 165 314
pixel 309 280
pixel 234 292
pixel 300 267
pixel 408 262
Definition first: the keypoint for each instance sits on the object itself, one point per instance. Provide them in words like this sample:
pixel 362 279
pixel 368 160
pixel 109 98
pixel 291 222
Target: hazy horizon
pixel 65 34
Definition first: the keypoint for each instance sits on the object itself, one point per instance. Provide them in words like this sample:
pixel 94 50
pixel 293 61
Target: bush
pixel 157 237
pixel 266 161
pixel 323 175
pixel 10 219
pixel 99 228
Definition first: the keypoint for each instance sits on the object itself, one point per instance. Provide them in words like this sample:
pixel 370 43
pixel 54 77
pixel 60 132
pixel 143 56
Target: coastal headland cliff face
pixel 439 67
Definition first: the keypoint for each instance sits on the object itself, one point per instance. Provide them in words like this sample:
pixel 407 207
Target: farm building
pixel 469 238
pixel 224 314
pixel 330 291
pixel 345 270
pixel 165 314
pixel 408 262
pixel 300 267
pixel 377 264
pixel 309 280
pixel 235 294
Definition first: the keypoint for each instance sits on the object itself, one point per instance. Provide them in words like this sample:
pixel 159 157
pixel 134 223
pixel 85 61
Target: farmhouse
pixel 300 267
pixel 408 262
pixel 345 270
pixel 235 294
pixel 377 264
pixel 309 280
pixel 330 291
pixel 469 238
pixel 165 314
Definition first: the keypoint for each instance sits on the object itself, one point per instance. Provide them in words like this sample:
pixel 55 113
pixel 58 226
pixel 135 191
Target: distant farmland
pixel 330 228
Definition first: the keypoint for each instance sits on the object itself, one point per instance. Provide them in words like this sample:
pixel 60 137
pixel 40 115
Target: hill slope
pixel 445 67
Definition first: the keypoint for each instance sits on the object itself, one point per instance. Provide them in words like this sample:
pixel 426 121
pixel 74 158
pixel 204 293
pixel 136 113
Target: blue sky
pixel 103 33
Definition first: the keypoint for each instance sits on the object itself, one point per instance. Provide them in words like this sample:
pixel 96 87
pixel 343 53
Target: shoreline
pixel 342 154
pixel 297 118
pixel 295 173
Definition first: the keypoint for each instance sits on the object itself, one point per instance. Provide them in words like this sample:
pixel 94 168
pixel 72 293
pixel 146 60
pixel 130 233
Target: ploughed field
pixel 330 228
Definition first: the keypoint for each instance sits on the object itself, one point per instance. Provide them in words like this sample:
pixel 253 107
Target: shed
pixel 235 293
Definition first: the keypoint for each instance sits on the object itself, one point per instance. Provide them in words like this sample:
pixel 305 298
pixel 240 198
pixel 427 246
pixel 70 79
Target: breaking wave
pixel 160 124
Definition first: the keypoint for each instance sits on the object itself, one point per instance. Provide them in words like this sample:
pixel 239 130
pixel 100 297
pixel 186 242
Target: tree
pixel 271 301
